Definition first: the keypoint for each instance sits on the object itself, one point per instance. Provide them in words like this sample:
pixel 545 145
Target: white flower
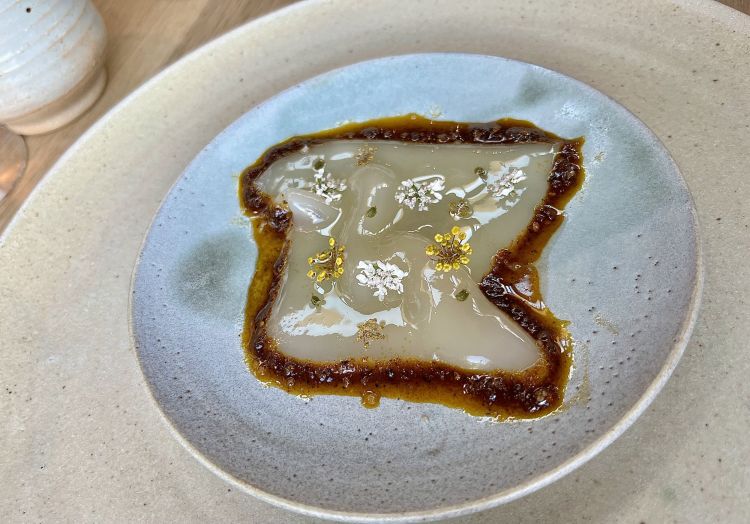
pixel 327 187
pixel 381 276
pixel 506 184
pixel 420 194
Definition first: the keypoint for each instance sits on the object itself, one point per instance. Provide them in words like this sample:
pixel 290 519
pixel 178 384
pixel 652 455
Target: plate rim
pixel 682 336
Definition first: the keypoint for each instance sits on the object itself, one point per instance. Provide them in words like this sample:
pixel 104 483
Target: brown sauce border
pixel 512 284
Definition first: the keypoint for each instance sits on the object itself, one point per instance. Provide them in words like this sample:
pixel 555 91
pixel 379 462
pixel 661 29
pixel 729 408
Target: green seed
pixel 481 173
pixel 462 295
pixel 371 212
pixel 316 301
pixel 318 164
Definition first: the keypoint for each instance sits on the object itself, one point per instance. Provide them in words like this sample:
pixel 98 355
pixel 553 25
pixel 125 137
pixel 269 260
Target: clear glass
pixel 13 158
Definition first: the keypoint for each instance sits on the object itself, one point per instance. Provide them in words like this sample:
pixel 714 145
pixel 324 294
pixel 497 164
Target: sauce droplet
pixel 370 399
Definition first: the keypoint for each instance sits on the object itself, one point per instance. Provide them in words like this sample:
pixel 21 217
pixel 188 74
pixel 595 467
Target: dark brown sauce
pixel 512 284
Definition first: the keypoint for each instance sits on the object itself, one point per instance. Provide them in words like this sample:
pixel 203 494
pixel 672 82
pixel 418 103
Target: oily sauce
pixel 511 283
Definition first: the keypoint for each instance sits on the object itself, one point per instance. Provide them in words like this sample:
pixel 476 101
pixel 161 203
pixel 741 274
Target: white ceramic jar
pixel 51 62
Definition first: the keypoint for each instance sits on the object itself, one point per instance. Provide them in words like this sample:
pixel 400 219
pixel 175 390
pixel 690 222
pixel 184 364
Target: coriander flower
pixel 327 187
pixel 381 276
pixel 420 194
pixel 506 184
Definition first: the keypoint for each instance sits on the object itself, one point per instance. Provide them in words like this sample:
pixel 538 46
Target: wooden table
pixel 144 37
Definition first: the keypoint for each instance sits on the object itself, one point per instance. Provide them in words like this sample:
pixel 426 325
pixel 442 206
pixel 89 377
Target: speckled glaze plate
pixel 624 269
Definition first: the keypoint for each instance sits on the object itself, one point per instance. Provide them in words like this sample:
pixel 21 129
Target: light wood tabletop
pixel 144 37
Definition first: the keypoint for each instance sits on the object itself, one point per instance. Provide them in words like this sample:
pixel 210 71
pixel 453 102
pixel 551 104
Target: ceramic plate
pixel 624 269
